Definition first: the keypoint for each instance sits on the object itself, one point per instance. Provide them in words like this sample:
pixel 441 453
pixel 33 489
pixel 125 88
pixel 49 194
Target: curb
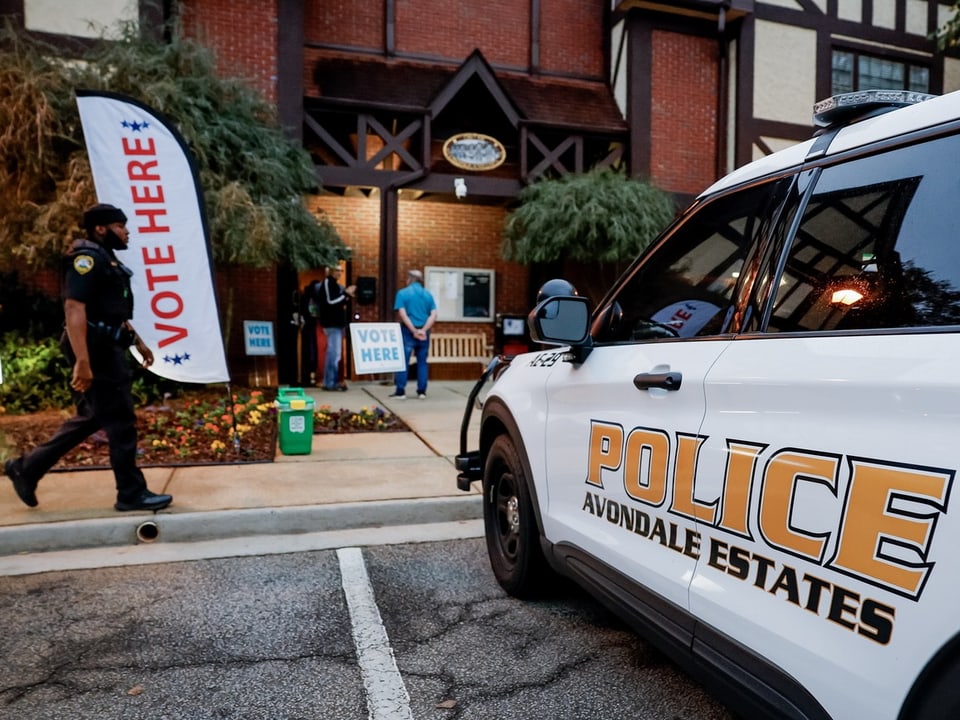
pixel 223 524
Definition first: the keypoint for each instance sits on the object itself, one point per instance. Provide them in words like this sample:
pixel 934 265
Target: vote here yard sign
pixel 377 348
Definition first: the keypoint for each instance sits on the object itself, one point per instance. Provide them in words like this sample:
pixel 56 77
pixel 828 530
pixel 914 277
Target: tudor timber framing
pixel 540 154
pixel 360 170
pixel 572 147
pixel 539 148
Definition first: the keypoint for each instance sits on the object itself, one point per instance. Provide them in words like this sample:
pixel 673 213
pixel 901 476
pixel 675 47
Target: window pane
pixel 875 248
pixel 876 73
pixel 842 72
pixel 919 79
pixel 685 286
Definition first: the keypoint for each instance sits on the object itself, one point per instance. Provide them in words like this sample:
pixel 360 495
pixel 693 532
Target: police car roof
pixel 931 112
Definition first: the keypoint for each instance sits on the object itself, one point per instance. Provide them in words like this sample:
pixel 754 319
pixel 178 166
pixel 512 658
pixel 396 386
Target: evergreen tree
pixel 253 177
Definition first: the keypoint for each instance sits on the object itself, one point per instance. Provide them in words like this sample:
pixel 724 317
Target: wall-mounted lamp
pixel 846 296
pixel 460 188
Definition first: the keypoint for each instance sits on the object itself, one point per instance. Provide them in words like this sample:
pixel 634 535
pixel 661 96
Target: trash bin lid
pixel 293 399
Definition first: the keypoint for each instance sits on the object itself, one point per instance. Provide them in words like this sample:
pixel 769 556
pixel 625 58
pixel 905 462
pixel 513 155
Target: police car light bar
pixel 849 107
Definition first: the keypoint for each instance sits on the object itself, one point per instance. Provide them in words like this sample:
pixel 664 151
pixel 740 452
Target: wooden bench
pixel 459 348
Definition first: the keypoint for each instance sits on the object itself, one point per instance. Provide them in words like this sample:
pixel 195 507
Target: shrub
pixel 35 374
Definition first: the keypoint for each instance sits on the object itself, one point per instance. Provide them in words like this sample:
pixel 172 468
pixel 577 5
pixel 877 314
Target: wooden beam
pixel 389 27
pixel 328 139
pixel 535 37
pixel 290 67
pixel 389 261
pixel 639 94
pixel 476 185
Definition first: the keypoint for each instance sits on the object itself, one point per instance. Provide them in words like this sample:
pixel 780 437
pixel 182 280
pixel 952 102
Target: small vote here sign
pixel 258 337
pixel 377 348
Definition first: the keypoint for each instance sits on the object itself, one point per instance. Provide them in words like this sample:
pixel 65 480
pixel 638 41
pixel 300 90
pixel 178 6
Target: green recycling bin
pixel 295 420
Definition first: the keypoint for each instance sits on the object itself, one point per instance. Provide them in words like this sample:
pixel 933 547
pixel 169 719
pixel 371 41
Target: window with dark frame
pixel 875 248
pixel 852 70
pixel 685 287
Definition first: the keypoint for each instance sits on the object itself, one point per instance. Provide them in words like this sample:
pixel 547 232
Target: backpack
pixel 313 304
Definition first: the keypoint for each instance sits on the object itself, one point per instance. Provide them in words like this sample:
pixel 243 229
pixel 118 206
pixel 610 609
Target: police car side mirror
pixel 561 321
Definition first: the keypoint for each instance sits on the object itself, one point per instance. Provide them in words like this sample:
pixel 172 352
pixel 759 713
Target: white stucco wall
pixel 774 144
pixel 951 75
pixel 917 17
pixel 885 13
pixel 618 70
pixel 851 10
pixel 83 18
pixel 784 72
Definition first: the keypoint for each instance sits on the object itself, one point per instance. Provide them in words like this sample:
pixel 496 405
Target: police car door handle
pixel 666 381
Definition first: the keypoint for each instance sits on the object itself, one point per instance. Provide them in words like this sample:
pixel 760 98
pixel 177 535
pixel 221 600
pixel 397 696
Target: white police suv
pixel 748 449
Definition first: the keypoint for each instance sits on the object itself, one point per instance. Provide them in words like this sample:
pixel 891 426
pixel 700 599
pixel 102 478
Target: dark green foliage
pixel 35 374
pixel 253 177
pixel 596 217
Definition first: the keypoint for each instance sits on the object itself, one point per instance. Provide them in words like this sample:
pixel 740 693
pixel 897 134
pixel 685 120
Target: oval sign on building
pixel 474 151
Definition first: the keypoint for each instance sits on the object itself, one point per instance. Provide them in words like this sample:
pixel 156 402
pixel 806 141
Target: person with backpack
pixel 310 355
pixel 333 302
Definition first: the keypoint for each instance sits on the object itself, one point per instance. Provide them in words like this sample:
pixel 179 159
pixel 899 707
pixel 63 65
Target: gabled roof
pixel 475 66
pixel 406 85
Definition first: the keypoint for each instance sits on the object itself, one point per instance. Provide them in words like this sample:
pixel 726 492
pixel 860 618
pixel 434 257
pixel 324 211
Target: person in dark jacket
pixel 309 313
pixel 98 305
pixel 333 302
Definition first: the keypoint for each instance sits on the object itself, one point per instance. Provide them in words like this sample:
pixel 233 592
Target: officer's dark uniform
pixel 95 277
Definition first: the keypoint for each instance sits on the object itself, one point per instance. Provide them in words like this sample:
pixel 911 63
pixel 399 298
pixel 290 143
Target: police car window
pixel 877 246
pixel 684 287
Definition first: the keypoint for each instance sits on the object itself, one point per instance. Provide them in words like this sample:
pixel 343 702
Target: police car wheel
pixel 940 697
pixel 512 535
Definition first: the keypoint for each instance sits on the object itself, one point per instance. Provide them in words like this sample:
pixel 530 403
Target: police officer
pixel 98 305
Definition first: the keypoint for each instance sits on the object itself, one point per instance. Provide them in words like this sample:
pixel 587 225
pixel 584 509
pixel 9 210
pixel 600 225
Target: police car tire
pixel 940 698
pixel 513 538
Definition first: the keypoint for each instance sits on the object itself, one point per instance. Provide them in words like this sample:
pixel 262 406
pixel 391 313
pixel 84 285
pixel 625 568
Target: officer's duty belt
pixel 114 333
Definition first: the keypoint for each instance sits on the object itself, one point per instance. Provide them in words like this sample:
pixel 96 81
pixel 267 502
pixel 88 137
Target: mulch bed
pixel 180 431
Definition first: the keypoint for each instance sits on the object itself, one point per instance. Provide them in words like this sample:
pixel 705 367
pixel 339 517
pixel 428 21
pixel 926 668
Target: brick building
pixel 402 102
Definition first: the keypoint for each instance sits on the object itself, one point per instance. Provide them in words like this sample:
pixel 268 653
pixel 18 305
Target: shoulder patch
pixel 83 264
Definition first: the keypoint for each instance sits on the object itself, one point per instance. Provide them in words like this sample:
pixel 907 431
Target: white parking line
pixel 387 697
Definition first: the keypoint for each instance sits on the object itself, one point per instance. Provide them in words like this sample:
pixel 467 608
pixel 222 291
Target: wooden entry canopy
pixel 373 123
pixel 376 123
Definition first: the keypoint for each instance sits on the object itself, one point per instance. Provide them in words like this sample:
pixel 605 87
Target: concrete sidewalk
pixel 347 481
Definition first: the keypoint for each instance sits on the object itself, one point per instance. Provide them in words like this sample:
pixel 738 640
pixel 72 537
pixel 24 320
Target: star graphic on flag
pixel 176 359
pixel 134 125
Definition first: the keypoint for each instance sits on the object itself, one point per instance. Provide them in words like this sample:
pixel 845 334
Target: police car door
pixel 827 541
pixel 621 425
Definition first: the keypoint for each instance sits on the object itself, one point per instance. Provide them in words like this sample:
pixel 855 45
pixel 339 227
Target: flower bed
pixel 203 429
pixel 195 429
pixel 366 419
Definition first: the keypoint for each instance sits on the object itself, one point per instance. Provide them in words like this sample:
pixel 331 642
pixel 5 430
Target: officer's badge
pixel 83 264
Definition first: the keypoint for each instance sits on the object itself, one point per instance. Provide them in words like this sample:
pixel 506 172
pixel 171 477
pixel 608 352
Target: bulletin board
pixel 462 294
